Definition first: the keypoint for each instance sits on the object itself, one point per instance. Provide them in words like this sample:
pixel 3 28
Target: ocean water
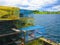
pixel 51 22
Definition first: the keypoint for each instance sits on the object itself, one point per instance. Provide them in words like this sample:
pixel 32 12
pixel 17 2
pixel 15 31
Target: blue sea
pixel 51 22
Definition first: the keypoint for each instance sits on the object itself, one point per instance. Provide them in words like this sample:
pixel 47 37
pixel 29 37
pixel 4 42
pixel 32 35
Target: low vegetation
pixel 45 12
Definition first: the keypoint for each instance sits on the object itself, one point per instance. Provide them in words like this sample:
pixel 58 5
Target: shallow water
pixel 51 22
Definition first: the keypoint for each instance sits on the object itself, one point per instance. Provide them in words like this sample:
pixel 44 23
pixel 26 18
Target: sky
pixel 41 5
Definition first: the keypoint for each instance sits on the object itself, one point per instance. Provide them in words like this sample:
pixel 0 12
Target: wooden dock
pixel 49 41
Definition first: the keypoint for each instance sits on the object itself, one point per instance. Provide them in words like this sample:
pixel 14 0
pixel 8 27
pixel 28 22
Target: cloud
pixel 14 2
pixel 28 4
pixel 37 4
pixel 9 2
pixel 54 8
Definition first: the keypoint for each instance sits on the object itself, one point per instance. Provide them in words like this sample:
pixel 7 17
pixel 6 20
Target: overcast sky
pixel 42 5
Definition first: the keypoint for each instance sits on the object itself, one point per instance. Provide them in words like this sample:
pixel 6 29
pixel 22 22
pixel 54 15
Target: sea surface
pixel 51 22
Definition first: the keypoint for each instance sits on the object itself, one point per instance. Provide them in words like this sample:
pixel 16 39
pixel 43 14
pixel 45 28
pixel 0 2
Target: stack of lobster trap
pixel 18 29
pixel 30 33
pixel 8 17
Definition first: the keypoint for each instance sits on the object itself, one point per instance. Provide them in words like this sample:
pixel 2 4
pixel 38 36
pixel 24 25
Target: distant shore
pixel 46 12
